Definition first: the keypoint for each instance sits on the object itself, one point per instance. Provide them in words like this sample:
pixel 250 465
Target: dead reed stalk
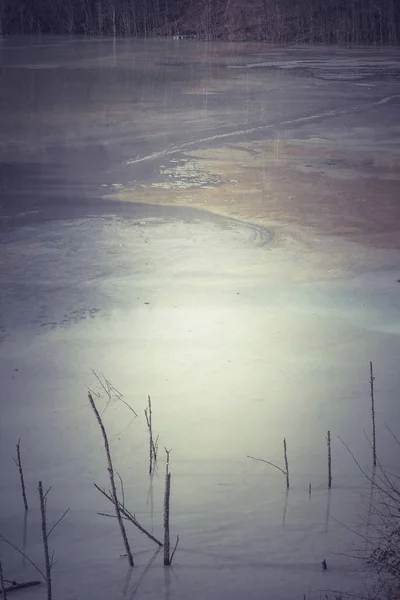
pixel 110 391
pixel 18 462
pixel 153 445
pixel 20 586
pixel 2 584
pixel 45 537
pixel 168 556
pixel 112 480
pixel 166 511
pixel 328 441
pixel 286 462
pixel 371 384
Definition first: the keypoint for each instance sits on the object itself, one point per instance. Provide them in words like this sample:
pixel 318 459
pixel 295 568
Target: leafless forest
pixel 375 22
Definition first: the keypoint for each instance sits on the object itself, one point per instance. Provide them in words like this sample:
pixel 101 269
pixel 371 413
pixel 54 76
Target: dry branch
pixel 18 462
pixel 396 439
pixel 110 390
pixel 127 515
pixel 45 540
pixel 153 446
pixel 286 462
pixel 371 384
pixel 4 539
pixel 268 463
pixel 112 480
pixel 174 550
pixel 20 586
pixel 328 441
pixel 58 522
pixel 286 473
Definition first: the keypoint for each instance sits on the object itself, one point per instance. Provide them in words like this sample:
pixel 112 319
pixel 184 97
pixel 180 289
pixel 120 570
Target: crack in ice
pixel 327 113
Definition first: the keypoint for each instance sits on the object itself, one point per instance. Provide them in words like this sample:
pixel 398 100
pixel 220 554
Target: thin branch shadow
pixel 285 507
pixel 143 575
pixel 328 511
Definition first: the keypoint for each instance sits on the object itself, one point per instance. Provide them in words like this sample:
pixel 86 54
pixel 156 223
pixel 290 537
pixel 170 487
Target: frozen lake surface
pixel 216 225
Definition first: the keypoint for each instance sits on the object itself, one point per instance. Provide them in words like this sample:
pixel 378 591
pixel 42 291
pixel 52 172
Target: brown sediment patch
pixel 308 190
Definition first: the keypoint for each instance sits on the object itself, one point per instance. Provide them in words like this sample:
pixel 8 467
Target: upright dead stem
pixel 328 441
pixel 371 383
pixel 2 585
pixel 42 498
pixel 168 556
pixel 112 480
pixel 286 462
pixel 18 462
pixel 153 445
pixel 166 511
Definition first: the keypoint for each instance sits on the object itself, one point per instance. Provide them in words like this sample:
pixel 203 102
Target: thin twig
pixel 105 386
pixel 174 550
pixel 128 406
pixel 378 487
pixel 58 522
pixel 128 516
pixel 396 439
pixel 168 452
pixel 101 514
pixel 268 463
pixel 109 390
pixel 2 538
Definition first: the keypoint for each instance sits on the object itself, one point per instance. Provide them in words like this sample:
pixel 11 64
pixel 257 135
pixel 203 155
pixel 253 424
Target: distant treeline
pixel 374 22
